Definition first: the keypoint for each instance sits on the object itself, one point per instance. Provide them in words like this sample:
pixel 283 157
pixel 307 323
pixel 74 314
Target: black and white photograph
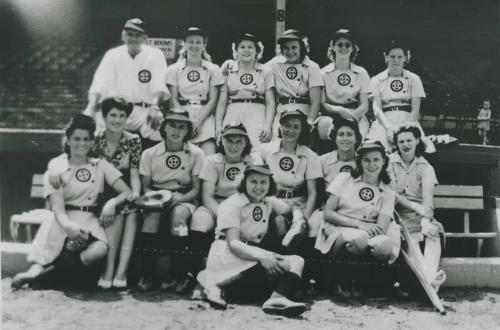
pixel 250 164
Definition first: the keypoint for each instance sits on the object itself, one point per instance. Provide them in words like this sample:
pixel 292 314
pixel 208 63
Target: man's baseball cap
pixel 290 35
pixel 234 128
pixel 261 169
pixel 292 114
pixel 177 115
pixel 135 24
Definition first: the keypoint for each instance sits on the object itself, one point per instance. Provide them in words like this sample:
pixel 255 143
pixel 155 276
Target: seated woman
pixel 174 165
pixel 239 254
pixel 74 241
pixel 295 168
pixel 358 213
pixel 414 180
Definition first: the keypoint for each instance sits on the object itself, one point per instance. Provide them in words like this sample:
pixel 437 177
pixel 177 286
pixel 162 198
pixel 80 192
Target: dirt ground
pixel 27 309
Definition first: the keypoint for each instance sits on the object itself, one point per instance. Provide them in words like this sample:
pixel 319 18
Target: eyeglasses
pixel 341 44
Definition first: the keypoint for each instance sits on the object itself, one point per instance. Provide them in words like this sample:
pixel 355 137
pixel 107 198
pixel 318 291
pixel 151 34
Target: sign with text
pixel 166 45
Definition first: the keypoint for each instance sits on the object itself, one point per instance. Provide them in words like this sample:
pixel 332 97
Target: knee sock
pixel 70 268
pixel 178 246
pixel 148 243
pixel 288 284
pixel 199 244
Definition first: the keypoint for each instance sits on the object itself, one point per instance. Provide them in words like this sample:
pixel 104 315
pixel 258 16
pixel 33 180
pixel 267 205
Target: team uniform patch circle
pixel 286 164
pixel 246 79
pixel 173 162
pixel 83 175
pixel 193 76
pixel 366 194
pixel 232 173
pixel 346 168
pixel 291 72
pixel 344 79
pixel 257 213
pixel 144 76
pixel 396 85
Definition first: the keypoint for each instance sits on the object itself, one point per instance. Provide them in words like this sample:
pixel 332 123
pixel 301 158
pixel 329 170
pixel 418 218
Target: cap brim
pixel 178 117
pixel 234 131
pixel 259 170
pixel 371 146
pixel 132 26
pixel 288 38
pixel 291 114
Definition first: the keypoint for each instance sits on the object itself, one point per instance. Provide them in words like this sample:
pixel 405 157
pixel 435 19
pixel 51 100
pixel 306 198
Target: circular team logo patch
pixel 193 76
pixel 246 78
pixel 346 168
pixel 144 76
pixel 232 173
pixel 344 79
pixel 286 164
pixel 396 85
pixel 173 162
pixel 257 213
pixel 291 73
pixel 366 194
pixel 83 175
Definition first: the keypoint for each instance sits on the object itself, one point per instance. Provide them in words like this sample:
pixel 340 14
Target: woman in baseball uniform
pixel 173 165
pixel 194 83
pixel 295 169
pixel 297 79
pixel 346 90
pixel 239 257
pixel 414 180
pixel 397 94
pixel 247 95
pixel 358 213
pixel 73 242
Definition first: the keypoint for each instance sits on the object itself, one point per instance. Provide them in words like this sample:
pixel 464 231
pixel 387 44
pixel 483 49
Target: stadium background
pixel 50 49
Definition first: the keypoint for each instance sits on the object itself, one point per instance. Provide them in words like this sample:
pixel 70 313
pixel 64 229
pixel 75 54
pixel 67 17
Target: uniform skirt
pixel 206 130
pixel 50 238
pixel 412 222
pixel 483 124
pixel 252 115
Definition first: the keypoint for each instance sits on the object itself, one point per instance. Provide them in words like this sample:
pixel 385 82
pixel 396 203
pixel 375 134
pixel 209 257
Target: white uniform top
pixel 246 85
pixel 332 166
pixel 360 200
pixel 397 91
pixel 252 219
pixel 194 83
pixel 290 171
pixel 295 80
pixel 171 170
pixel 81 185
pixel 408 180
pixel 135 79
pixel 226 176
pixel 344 86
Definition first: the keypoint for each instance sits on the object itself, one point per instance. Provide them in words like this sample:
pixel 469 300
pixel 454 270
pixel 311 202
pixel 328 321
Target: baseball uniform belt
pixel 179 190
pixel 255 100
pixel 406 108
pixel 292 100
pixel 143 104
pixel 349 105
pixel 291 193
pixel 193 102
pixel 91 209
pixel 223 237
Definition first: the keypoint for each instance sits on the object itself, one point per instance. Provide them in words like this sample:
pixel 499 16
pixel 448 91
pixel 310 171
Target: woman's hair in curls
pixel 242 187
pixel 259 49
pixel 383 175
pixel 116 103
pixel 420 148
pixel 346 123
pixel 246 151
pixel 188 136
pixel 305 131
pixel 79 121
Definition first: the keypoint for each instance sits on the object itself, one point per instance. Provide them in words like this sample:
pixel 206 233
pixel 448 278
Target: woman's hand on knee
pixel 372 229
pixel 108 213
pixel 273 264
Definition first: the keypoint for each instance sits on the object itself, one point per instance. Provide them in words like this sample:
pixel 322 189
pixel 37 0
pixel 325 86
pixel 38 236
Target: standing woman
pixel 295 168
pixel 247 95
pixel 123 150
pixel 239 255
pixel 414 180
pixel 397 94
pixel 297 79
pixel 359 209
pixel 347 86
pixel 75 241
pixel 194 83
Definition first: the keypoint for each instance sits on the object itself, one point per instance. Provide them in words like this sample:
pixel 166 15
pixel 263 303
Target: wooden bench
pixel 29 220
pixel 464 198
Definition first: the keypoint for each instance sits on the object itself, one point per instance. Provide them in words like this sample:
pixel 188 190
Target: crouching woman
pixel 239 257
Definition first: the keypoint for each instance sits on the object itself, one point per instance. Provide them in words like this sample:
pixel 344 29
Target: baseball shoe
pixel 283 306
